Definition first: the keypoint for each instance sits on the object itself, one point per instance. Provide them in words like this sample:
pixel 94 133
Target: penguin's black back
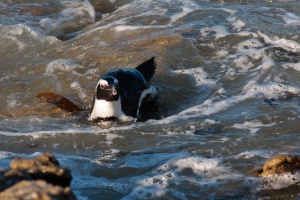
pixel 132 83
pixel 147 69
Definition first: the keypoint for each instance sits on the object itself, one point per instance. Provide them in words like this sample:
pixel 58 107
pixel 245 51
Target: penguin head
pixel 107 89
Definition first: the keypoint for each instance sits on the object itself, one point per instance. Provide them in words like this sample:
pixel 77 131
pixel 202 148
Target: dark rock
pixel 103 6
pixel 42 175
pixel 60 101
pixel 44 167
pixel 280 164
pixel 37 190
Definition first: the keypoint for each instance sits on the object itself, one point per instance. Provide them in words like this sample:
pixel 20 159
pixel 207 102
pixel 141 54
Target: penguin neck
pixel 107 109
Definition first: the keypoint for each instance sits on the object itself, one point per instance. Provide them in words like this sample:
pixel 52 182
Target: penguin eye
pixel 102 86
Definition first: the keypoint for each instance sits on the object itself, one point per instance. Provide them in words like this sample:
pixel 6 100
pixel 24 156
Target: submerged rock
pixel 39 178
pixel 280 164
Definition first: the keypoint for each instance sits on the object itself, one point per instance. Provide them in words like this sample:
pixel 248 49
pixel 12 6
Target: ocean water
pixel 227 73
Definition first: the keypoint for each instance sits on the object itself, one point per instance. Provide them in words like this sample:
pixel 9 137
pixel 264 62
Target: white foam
pixel 251 90
pixel 185 11
pixel 45 134
pixel 130 27
pixel 295 66
pixel 5 154
pixel 154 183
pixel 218 31
pixel 209 107
pixel 238 25
pixel 228 10
pixel 250 49
pixel 199 75
pixel 279 181
pixel 291 19
pixel 250 43
pixel 110 137
pixel 289 45
pixel 157 183
pixel 268 90
pixel 243 62
pixel 252 126
pixel 222 53
pixel 253 153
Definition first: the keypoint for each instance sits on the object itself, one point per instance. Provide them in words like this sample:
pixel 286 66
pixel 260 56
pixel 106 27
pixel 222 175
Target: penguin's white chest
pixel 105 109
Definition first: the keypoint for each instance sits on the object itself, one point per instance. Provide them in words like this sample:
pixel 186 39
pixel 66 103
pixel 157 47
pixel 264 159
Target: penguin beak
pixel 113 90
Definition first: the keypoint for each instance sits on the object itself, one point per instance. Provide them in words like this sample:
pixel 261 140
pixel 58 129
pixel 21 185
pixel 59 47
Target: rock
pixel 46 159
pixel 280 164
pixel 37 190
pixel 60 101
pixel 44 167
pixel 103 6
pixel 38 178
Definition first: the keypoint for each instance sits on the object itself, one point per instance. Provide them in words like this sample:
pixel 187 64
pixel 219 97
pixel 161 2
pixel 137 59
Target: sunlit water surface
pixel 227 72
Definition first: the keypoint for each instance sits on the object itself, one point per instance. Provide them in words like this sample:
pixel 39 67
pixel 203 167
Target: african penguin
pixel 119 94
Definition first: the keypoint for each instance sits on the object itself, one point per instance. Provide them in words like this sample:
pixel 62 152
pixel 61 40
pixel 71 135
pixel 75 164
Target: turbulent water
pixel 227 74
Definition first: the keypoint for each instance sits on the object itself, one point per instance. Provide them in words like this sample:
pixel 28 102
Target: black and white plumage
pixel 121 93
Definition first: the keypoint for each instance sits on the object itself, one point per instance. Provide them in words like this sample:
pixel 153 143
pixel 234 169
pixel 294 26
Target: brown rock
pixel 280 164
pixel 60 101
pixel 37 190
pixel 45 167
pixel 46 159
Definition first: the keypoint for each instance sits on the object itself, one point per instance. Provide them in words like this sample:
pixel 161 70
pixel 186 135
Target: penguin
pixel 120 94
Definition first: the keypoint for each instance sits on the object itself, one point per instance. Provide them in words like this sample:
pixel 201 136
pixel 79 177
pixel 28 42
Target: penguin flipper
pixel 147 69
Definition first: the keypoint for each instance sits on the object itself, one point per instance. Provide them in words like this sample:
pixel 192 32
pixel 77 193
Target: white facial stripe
pixel 103 83
pixel 152 91
pixel 114 91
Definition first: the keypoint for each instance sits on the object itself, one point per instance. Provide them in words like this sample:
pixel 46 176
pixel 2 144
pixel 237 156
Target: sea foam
pixel 291 19
pixel 218 31
pixel 199 75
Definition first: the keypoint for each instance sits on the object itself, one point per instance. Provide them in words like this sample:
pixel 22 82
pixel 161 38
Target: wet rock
pixel 37 190
pixel 280 164
pixel 38 178
pixel 44 167
pixel 46 159
pixel 60 101
pixel 103 6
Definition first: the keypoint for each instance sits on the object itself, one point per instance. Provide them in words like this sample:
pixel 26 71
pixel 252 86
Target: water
pixel 218 61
